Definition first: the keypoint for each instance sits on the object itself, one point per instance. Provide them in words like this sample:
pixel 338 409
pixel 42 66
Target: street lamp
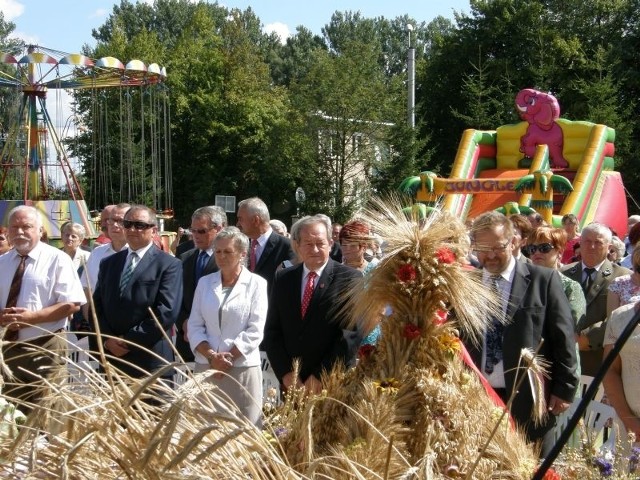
pixel 411 84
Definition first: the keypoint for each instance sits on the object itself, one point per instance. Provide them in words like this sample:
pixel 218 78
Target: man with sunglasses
pixel 129 283
pixel 206 222
pixel 533 308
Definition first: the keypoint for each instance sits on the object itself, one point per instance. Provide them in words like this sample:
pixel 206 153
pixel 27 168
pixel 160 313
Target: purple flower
pixel 605 467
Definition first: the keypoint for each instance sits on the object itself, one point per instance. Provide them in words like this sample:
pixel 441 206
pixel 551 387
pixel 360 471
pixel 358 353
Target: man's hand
pixel 116 346
pixel 185 335
pixel 313 385
pixel 557 405
pixel 583 343
pixel 15 318
pixel 289 380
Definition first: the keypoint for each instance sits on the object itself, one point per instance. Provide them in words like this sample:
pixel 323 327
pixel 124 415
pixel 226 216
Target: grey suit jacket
pixel 594 323
pixel 538 309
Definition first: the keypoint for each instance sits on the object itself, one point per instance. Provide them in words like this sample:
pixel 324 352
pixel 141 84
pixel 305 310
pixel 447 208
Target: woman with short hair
pixel 226 324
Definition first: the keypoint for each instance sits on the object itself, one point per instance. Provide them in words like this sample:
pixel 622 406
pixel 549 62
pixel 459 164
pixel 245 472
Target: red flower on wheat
pixel 411 331
pixel 406 273
pixel 444 255
pixel 366 350
pixel 440 317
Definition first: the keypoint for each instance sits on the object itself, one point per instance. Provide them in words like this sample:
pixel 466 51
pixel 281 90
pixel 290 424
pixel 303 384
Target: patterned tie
pixel 308 292
pixel 588 280
pixel 494 335
pixel 201 263
pixel 126 274
pixel 252 255
pixel 14 293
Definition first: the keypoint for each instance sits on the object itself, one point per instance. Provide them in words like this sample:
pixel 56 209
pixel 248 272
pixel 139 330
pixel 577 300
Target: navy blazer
pixel 276 250
pixel 317 340
pixel 156 282
pixel 189 259
pixel 538 309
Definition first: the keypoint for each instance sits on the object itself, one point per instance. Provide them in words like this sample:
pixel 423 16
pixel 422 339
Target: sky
pixel 66 24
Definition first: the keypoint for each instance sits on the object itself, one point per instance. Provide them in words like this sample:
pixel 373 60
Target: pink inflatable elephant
pixel 541 110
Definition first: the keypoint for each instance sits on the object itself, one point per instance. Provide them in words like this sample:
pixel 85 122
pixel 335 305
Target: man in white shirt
pixel 35 308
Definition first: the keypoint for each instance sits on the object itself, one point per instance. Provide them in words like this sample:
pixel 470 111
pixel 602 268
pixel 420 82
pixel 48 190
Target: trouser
pixel 31 363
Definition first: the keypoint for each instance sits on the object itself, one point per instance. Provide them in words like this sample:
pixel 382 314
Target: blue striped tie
pixel 126 274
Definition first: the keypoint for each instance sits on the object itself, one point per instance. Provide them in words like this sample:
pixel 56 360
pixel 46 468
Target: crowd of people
pixel 226 293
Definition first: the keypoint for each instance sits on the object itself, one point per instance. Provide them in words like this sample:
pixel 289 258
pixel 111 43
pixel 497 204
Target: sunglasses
pixel 542 248
pixel 201 231
pixel 137 225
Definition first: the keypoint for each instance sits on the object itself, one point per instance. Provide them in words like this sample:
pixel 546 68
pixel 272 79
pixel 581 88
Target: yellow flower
pixel 450 344
pixel 389 385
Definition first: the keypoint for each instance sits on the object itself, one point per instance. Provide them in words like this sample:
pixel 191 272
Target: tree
pixel 352 130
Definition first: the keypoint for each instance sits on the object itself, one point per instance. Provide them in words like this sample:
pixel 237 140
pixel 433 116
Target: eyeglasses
pixel 137 225
pixel 201 231
pixel 542 248
pixel 115 221
pixel 496 250
pixel 3 238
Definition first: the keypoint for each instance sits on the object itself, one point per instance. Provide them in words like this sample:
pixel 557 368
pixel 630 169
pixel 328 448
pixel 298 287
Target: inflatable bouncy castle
pixel 544 163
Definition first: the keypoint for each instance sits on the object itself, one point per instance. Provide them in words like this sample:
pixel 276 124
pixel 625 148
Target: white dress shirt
pixel 49 278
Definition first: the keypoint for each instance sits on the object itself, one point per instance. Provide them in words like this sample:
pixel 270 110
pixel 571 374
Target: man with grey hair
pixel 38 292
pixel 267 250
pixel 306 313
pixel 206 222
pixel 595 273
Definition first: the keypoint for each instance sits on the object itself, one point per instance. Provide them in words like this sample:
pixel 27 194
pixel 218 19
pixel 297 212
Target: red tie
pixel 252 255
pixel 308 292
pixel 12 297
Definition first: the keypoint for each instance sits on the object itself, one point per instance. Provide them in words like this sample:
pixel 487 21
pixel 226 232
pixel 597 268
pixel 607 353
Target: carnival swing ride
pixel 121 129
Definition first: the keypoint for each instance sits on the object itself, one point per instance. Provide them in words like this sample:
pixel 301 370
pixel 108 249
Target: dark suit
pixel 156 282
pixel 276 250
pixel 594 323
pixel 317 339
pixel 189 284
pixel 537 309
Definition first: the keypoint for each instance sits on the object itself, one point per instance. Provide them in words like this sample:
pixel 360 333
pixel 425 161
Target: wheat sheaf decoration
pixel 411 405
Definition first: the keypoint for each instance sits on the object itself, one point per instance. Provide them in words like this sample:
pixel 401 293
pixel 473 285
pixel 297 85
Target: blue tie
pixel 494 335
pixel 201 263
pixel 126 274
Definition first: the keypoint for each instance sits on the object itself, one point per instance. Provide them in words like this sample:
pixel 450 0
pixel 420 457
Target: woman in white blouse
pixel 226 324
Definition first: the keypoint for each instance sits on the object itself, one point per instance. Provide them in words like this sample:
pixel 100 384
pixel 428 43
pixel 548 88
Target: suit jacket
pixel 538 309
pixel 156 282
pixel 595 321
pixel 189 259
pixel 239 322
pixel 277 250
pixel 317 340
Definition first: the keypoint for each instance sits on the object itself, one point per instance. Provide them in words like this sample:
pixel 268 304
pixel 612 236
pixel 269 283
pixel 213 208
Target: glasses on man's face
pixel 137 225
pixel 201 231
pixel 496 250
pixel 541 247
pixel 115 221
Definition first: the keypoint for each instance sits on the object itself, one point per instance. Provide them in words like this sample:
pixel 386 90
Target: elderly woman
pixel 5 244
pixel 546 246
pixel 355 237
pixel 72 237
pixel 625 288
pixel 227 322
pixel 622 380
